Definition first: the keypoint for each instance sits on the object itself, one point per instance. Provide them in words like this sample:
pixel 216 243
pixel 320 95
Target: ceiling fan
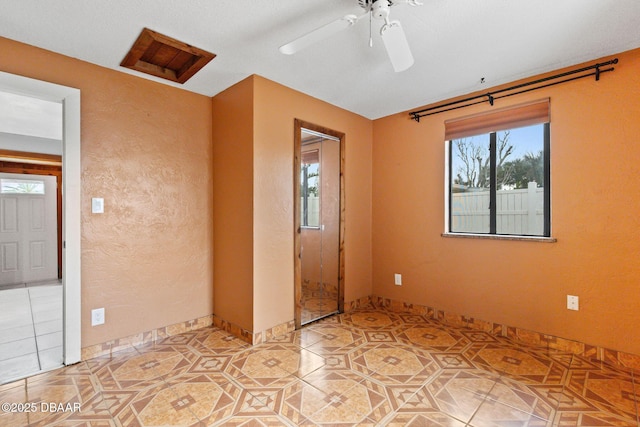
pixel 395 42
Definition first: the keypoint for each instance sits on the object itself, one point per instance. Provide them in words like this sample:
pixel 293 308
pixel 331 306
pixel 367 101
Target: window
pixel 499 172
pixel 310 189
pixel 21 186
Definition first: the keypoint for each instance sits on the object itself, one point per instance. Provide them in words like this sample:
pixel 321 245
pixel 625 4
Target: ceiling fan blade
pixel 319 34
pixel 397 46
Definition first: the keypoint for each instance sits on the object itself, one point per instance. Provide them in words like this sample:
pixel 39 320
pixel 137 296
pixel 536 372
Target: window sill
pixel 501 237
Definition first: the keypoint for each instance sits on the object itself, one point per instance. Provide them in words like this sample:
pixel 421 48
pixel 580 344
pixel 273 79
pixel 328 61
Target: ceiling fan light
pixel 397 46
pixel 380 9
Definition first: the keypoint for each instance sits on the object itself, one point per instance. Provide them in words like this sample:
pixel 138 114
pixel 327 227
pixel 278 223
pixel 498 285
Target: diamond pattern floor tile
pixel 370 367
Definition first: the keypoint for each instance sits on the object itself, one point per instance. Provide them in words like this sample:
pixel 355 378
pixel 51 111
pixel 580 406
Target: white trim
pixel 70 99
pixel 320 134
pixel 521 238
pixel 447 185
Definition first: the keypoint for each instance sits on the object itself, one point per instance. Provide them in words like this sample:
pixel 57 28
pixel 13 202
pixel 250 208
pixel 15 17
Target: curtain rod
pixel 490 97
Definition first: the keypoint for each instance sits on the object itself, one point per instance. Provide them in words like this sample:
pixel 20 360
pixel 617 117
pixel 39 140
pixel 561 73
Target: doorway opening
pixel 39 227
pixel 319 222
pixel 33 180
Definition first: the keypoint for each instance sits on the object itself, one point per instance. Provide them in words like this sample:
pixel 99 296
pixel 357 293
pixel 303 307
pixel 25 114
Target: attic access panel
pixel 165 57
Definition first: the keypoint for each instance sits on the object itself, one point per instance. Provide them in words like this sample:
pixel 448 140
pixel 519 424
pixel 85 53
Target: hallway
pixel 30 330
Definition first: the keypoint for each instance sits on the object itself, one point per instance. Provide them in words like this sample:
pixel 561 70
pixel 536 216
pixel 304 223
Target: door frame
pixel 45 164
pixel 71 193
pixel 297 255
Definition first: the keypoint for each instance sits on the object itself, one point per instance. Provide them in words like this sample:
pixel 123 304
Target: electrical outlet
pixel 97 316
pixel 572 302
pixel 398 279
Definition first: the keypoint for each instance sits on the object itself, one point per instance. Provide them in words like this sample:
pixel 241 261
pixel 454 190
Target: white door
pixel 28 228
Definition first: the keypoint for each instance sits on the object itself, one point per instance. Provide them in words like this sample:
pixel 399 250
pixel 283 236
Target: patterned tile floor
pixel 366 368
pixel 30 329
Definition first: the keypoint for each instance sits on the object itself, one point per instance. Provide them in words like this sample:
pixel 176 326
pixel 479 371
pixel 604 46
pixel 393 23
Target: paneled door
pixel 28 228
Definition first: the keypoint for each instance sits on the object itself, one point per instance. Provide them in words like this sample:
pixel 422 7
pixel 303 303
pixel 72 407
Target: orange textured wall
pixel 146 148
pixel 595 173
pixel 233 200
pixel 275 108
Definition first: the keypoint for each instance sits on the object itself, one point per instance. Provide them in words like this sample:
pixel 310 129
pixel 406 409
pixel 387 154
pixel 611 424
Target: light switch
pixel 97 205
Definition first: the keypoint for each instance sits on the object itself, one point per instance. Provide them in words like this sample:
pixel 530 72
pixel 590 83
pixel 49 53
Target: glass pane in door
pixel 320 225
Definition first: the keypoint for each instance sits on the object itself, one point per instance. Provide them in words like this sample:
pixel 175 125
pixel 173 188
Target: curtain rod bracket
pixel 598 71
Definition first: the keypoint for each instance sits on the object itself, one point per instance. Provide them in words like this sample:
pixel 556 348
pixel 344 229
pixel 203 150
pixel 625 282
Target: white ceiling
pixel 455 42
pixel 24 115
